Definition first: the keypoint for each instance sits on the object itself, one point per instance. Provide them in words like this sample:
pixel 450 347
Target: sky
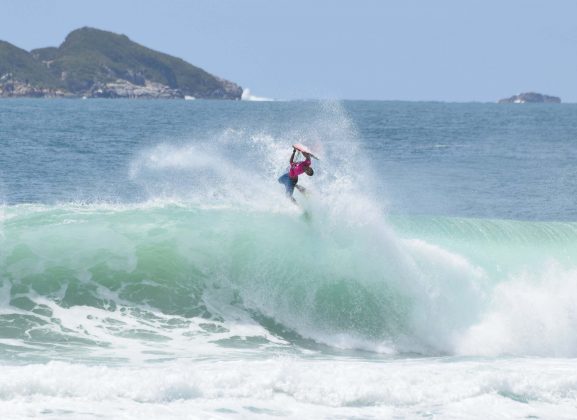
pixel 416 50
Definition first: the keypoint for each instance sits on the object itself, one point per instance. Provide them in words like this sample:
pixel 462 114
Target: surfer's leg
pixel 288 183
pixel 292 183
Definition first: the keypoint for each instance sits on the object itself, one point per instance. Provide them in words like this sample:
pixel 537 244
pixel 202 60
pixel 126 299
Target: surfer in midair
pixel 291 178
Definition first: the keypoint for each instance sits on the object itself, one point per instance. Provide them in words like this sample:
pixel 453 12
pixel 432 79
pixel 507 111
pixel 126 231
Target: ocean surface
pixel 152 268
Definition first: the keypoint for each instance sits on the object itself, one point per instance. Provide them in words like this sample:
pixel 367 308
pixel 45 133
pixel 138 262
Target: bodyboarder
pixel 291 178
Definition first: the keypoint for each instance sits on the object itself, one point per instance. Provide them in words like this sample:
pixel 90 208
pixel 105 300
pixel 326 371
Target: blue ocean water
pixel 472 160
pixel 146 247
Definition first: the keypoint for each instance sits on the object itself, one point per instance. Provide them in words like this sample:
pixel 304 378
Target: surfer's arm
pixel 293 155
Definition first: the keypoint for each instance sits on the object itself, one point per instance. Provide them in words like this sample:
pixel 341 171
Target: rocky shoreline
pixel 120 89
pixel 10 88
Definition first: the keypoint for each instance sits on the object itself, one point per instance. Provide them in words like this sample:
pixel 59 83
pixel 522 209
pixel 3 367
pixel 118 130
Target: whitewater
pixel 151 266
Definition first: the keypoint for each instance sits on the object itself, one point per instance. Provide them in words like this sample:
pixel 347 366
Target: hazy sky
pixel 448 50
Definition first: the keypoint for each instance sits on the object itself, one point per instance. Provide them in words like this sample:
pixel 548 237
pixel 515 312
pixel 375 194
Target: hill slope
pixel 22 75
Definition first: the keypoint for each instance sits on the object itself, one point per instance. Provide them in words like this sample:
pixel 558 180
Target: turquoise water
pixel 147 247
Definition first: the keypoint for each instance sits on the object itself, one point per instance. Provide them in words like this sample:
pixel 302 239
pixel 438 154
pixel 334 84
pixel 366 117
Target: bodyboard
pixel 304 149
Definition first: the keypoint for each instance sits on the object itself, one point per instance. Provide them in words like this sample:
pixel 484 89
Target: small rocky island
pixel 92 63
pixel 531 98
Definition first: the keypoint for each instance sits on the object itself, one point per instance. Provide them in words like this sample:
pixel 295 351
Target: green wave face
pixel 415 285
pixel 500 247
pixel 173 259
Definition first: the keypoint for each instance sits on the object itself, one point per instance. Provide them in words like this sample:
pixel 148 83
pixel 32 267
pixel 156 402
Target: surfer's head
pixel 309 171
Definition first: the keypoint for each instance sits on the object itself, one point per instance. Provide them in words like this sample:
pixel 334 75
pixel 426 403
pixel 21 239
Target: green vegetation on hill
pixel 18 64
pixel 45 54
pixel 91 60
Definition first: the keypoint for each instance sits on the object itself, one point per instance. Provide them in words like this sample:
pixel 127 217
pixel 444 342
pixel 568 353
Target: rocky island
pixel 531 98
pixel 98 64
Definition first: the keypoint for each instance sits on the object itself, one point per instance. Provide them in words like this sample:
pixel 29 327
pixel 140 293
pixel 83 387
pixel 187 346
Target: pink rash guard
pixel 298 168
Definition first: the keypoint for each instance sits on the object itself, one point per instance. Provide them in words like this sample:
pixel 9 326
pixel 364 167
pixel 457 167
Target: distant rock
pixel 101 64
pixel 531 98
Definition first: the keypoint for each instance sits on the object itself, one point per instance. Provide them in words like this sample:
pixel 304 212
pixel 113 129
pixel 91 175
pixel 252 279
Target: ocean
pixel 152 267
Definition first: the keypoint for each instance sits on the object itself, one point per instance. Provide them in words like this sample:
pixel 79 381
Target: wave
pixel 248 96
pixel 420 285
